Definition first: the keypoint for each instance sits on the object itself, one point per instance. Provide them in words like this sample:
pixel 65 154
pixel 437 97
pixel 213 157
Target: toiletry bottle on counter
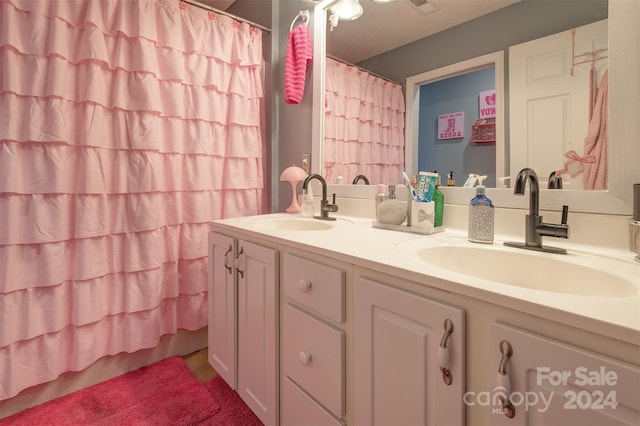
pixel 451 181
pixel 381 196
pixel 481 216
pixel 307 203
pixel 438 202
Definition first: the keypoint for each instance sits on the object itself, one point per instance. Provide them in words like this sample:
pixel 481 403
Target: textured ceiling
pixel 384 27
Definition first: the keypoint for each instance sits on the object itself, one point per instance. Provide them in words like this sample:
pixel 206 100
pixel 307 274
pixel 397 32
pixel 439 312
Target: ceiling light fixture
pixel 382 1
pixel 347 10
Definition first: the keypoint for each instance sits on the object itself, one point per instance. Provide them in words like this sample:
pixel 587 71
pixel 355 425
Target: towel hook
pixel 303 15
pixel 593 56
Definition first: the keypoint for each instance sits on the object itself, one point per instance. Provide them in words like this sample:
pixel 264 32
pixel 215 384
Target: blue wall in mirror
pixel 460 155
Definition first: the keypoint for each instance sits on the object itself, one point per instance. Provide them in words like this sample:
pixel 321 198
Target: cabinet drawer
pixel 313 355
pixel 298 409
pixel 316 286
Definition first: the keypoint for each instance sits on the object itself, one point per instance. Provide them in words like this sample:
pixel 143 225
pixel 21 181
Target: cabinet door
pixel 222 307
pixel 553 383
pixel 257 329
pixel 397 378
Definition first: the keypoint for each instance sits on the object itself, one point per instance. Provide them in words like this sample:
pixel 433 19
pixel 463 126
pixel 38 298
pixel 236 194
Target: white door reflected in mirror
pixel 553 83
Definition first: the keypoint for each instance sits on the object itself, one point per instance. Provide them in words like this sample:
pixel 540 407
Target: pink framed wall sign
pixel 487 101
pixel 451 126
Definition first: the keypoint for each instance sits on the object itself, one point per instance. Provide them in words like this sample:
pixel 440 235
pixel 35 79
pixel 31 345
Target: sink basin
pixel 527 270
pixel 293 224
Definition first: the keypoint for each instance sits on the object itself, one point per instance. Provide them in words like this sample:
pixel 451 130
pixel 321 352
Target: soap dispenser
pixel 391 211
pixel 481 216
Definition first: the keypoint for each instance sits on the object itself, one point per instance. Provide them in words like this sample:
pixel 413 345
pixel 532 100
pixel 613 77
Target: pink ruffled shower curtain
pixel 125 127
pixel 364 126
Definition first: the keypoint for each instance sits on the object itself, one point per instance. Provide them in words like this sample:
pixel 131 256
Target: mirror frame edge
pixel 318 83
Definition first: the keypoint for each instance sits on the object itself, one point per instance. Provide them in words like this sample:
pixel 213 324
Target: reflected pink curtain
pixel 364 126
pixel 126 126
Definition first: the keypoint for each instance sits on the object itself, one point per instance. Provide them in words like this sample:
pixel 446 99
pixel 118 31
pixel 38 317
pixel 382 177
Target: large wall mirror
pixel 623 104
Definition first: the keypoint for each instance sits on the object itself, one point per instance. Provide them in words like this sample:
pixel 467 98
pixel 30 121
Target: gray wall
pixel 288 127
pixel 520 22
pixel 294 133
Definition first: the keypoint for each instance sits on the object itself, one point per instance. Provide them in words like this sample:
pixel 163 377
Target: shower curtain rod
pixel 222 12
pixel 335 58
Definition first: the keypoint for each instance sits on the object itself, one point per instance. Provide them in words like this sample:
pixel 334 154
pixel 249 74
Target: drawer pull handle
pixel 443 353
pixel 304 285
pixel 503 383
pixel 304 358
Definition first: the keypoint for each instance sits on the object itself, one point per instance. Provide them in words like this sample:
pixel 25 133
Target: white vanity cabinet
pixel 243 312
pixel 315 331
pixel 552 383
pixel 313 351
pixel 400 341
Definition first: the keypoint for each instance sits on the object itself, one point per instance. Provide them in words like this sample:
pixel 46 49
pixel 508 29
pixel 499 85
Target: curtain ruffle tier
pixel 46 356
pixel 167 24
pixel 125 128
pixel 55 120
pixel 364 125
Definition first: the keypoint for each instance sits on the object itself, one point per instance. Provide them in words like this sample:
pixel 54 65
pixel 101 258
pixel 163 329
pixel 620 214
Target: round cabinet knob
pixel 304 285
pixel 304 358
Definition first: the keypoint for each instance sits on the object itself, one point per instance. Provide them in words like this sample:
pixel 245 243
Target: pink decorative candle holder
pixel 293 175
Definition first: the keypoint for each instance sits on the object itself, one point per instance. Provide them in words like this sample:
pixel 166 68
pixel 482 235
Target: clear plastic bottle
pixel 481 215
pixel 307 204
pixel 380 197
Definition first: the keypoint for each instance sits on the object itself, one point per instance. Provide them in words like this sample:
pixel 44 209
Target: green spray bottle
pixel 438 200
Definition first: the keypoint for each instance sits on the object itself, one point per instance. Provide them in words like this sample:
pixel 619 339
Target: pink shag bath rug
pixel 164 393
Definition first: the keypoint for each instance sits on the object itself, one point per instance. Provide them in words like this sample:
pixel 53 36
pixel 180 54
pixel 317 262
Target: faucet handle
pixel 565 214
pixel 332 207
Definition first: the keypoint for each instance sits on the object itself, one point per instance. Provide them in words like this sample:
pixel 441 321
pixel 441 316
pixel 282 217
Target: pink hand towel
pixel 299 55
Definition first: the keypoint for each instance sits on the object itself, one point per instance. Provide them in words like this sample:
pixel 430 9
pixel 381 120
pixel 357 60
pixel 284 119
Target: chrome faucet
pixel 360 177
pixel 555 181
pixel 325 207
pixel 535 229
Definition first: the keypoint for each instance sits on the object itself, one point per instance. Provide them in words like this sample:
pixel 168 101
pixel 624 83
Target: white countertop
pixel 354 240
